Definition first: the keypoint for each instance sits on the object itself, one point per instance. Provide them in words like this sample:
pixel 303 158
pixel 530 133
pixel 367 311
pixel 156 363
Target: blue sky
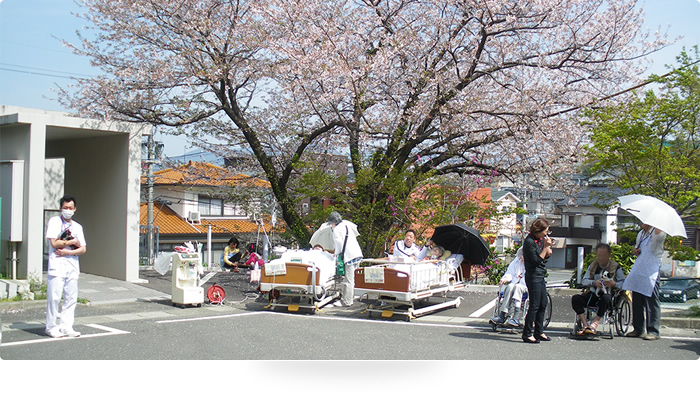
pixel 32 61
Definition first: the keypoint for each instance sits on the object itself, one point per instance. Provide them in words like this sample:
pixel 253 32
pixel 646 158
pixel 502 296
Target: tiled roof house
pixel 191 198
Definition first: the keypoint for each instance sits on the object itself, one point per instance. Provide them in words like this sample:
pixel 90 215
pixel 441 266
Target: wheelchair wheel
pixel 623 315
pixel 497 307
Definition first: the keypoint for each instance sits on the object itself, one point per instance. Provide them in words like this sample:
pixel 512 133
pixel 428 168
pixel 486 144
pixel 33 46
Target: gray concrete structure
pixel 98 162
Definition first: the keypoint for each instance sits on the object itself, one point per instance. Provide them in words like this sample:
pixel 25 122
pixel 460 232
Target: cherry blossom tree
pixel 406 88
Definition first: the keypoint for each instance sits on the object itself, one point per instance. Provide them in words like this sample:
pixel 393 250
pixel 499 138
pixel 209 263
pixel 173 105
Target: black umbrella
pixel 462 239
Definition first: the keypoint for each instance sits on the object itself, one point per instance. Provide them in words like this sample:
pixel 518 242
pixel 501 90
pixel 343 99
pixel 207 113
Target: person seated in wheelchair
pixel 601 279
pixel 513 286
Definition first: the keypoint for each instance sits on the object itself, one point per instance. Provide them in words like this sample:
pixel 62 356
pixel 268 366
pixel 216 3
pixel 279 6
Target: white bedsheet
pixel 454 261
pixel 323 261
pixel 429 274
pixel 424 275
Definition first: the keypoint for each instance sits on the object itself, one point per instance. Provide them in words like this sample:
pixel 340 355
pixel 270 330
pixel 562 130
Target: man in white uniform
pixel 346 245
pixel 66 243
pixel 407 248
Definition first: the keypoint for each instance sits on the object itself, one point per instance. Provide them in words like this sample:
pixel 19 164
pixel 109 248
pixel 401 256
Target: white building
pixel 44 154
pixel 506 227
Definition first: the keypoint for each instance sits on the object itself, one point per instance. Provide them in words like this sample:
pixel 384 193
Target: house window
pixel 210 206
pixel 574 221
pixel 599 223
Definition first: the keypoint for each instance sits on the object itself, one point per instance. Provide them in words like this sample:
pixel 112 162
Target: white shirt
pixel 352 247
pixel 68 265
pixel 400 250
pixel 516 271
pixel 657 241
pixel 644 274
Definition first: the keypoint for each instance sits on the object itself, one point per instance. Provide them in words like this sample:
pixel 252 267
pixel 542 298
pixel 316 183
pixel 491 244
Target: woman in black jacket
pixel 536 249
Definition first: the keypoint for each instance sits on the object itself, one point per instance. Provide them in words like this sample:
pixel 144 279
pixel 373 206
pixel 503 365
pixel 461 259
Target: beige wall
pixel 97 174
pixel 25 141
pixel 101 169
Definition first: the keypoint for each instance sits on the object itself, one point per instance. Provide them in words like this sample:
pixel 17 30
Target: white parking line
pixel 206 278
pixel 482 310
pixel 213 317
pixel 109 332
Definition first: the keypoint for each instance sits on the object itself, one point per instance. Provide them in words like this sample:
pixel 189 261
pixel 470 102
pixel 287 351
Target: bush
pixel 694 312
pixel 494 268
pixel 683 253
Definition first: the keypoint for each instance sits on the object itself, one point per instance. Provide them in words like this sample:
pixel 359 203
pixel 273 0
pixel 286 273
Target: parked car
pixel 679 289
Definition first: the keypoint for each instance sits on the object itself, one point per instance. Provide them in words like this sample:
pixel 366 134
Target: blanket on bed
pixel 425 274
pixel 323 261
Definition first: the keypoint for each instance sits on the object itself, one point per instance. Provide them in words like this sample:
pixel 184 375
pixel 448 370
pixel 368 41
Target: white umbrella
pixel 654 212
pixel 324 235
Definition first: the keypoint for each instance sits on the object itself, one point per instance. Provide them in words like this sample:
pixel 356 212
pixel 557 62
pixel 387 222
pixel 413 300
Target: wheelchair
pixel 617 318
pixel 524 305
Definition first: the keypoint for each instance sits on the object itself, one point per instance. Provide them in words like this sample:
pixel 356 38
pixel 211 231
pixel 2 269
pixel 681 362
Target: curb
pixel 560 291
pixel 681 323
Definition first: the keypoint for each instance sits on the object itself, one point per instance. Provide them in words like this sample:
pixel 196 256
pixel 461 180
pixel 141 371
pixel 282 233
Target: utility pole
pixel 149 198
pixel 153 151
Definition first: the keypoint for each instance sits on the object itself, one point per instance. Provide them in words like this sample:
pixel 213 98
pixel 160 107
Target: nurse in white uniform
pixel 407 248
pixel 66 243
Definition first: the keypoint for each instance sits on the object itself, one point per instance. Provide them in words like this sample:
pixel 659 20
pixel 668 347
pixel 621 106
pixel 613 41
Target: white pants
pixel 56 286
pixel 515 293
pixel 348 285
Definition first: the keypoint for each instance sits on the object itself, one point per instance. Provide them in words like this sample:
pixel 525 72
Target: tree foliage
pixel 405 88
pixel 651 144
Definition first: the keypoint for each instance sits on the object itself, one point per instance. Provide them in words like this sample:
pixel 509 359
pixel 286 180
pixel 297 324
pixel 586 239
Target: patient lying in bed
pixel 435 254
pixel 323 260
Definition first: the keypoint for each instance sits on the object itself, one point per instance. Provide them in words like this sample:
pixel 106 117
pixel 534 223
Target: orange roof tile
pixel 482 196
pixel 170 223
pixel 203 174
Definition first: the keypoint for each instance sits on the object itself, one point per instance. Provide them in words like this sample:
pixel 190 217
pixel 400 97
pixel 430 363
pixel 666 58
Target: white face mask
pixel 67 214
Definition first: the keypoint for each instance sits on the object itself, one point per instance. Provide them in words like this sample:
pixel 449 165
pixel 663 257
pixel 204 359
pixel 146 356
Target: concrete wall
pixel 25 141
pixel 107 203
pixel 54 177
pixel 101 169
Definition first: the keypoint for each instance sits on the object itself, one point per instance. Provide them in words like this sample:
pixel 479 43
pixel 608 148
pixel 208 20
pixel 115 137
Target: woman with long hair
pixel 537 248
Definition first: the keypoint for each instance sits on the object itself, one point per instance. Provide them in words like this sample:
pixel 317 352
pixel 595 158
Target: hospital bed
pixel 404 287
pixel 300 280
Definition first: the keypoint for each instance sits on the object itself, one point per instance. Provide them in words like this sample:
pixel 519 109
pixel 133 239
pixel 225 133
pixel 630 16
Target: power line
pixel 43 69
pixel 36 73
